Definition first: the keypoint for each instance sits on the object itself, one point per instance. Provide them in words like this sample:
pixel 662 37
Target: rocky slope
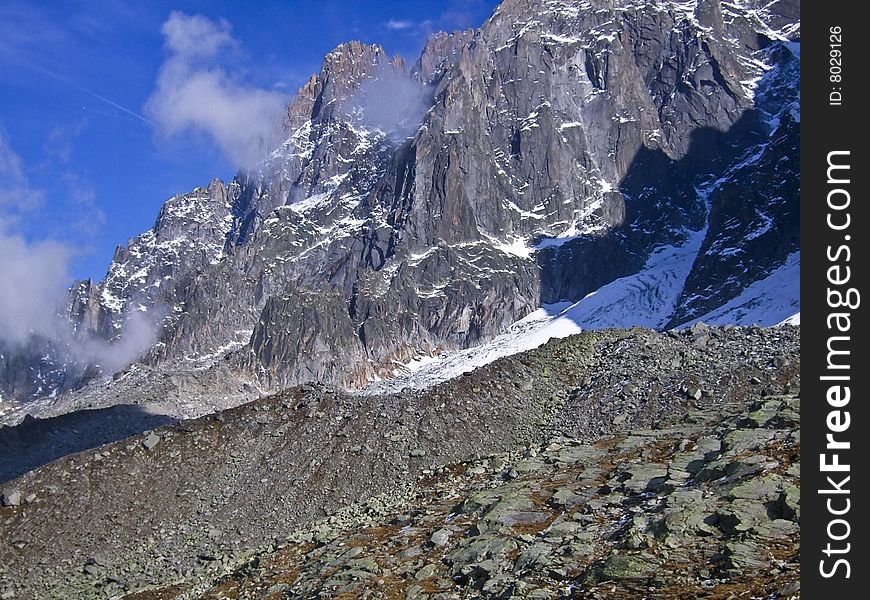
pixel 536 159
pixel 186 504
pixel 706 508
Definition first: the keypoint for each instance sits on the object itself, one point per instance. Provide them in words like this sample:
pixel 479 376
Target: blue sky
pixel 83 162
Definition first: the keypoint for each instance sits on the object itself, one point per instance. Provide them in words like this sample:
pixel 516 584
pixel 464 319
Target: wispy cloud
pixel 82 216
pixel 196 93
pixel 62 47
pixel 196 36
pixel 399 24
pixel 81 42
pixel 86 217
pixel 60 144
pixel 25 30
pixel 16 194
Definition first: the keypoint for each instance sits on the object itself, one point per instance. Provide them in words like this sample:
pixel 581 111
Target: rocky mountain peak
pixel 441 50
pixel 348 66
pixel 342 72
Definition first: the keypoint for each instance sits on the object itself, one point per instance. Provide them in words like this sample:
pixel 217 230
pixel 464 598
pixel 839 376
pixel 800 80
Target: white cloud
pixel 189 37
pixel 35 277
pixel 399 24
pixel 194 93
pixel 34 274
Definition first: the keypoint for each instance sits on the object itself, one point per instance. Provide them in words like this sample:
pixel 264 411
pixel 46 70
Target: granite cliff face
pixel 415 210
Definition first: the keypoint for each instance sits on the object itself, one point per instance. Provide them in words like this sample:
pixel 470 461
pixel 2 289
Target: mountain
pixel 564 148
pixel 336 375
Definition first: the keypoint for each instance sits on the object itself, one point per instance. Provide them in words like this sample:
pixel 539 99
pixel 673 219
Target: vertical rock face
pixel 529 161
pixel 754 219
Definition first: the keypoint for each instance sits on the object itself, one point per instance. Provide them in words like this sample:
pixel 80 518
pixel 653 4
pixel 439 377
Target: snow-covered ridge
pixel 769 301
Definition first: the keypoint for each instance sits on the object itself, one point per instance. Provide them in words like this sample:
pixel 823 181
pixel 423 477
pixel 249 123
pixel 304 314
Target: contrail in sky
pixel 132 113
pixel 109 114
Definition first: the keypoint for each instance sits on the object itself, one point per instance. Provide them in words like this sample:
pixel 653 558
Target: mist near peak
pixel 33 276
pixel 138 334
pixel 34 302
pixel 34 295
pixel 391 102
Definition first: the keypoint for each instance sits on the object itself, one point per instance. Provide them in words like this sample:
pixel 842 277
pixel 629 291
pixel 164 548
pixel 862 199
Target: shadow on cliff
pixel 36 442
pixel 660 203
